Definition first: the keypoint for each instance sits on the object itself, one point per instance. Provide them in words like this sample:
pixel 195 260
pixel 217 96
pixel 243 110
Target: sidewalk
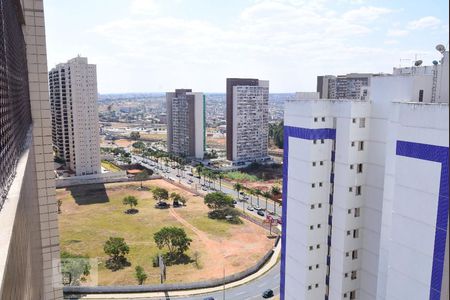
pixel 162 295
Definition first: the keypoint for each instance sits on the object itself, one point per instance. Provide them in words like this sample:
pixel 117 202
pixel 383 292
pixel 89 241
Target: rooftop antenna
pixel 418 63
pixel 403 59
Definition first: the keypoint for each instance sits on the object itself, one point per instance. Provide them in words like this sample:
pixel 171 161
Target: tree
pixel 74 268
pixel 237 187
pixel 135 135
pixel 142 176
pixel 218 200
pixel 139 145
pixel 160 194
pixel 177 199
pixel 257 193
pixel 276 133
pixel 220 176
pixel 276 190
pixel 140 275
pixel 59 205
pixel 116 249
pixel 131 201
pixel 174 239
pixel 267 195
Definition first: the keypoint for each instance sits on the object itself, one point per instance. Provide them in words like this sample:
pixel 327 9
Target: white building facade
pixel 357 192
pixel 75 123
pixel 186 123
pixel 248 116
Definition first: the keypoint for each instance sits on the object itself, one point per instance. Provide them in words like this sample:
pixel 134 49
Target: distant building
pixel 247 119
pixel 351 86
pixel 365 195
pixel 185 123
pixel 75 122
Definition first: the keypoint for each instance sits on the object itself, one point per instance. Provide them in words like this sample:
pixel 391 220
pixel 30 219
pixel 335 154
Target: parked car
pixel 208 298
pixel 234 202
pixel 268 293
pixel 249 208
pixel 261 213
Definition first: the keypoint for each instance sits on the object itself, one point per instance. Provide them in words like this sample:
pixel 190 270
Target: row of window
pixel 311 286
pixel 320 184
pixel 357 212
pixel 311 267
pixel 353 275
pixel 360 145
pixel 317 226
pixel 314 163
pixel 319 205
pixel 358 190
pixel 354 254
pixel 362 122
pixel 322 141
pixel 351 295
pixel 359 168
pixel 354 232
pixel 316 119
pixel 312 247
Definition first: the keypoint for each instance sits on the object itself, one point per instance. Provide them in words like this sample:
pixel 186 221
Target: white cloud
pixel 429 22
pixel 144 7
pixel 397 32
pixel 365 14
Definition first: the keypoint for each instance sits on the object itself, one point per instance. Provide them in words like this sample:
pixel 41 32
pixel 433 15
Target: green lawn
pixel 91 214
pixel 110 166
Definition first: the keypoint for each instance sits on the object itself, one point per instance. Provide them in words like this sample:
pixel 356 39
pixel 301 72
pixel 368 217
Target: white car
pixel 249 208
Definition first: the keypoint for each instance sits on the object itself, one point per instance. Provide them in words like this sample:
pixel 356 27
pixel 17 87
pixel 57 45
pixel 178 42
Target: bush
pixel 221 214
pixel 74 268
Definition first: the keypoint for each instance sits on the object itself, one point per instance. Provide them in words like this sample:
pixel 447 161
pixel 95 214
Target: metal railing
pixel 15 114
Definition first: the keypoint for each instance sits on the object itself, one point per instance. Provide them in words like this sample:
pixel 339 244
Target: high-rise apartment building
pixel 247 119
pixel 73 99
pixel 29 251
pixel 366 192
pixel 351 86
pixel 186 123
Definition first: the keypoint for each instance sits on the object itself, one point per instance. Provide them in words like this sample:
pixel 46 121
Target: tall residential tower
pixel 185 123
pixel 247 120
pixel 73 99
pixel 365 191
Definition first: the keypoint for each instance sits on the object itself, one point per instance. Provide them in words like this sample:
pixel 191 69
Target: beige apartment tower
pixel 75 124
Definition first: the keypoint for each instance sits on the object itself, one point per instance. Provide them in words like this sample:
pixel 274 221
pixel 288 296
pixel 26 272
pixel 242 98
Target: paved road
pixel 168 172
pixel 251 290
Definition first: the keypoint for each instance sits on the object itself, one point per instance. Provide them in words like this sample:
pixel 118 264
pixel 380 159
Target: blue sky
pixel 160 45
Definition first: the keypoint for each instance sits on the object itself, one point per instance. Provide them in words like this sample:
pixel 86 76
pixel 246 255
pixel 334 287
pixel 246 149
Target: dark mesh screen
pixel 15 116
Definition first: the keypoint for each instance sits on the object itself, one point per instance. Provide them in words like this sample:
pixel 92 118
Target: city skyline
pixel 212 41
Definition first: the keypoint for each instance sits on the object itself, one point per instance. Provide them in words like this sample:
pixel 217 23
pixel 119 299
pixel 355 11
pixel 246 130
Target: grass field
pixel 93 213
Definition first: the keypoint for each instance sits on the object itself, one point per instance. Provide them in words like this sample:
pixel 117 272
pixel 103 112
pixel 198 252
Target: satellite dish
pixel 418 63
pixel 440 48
pixel 435 62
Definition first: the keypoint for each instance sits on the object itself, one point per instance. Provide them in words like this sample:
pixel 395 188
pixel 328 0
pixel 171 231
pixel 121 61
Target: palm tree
pixel 199 170
pixel 258 193
pixel 220 176
pixel 252 193
pixel 267 195
pixel 238 188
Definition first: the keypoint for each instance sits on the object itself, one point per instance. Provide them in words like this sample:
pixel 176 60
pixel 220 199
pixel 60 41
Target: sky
pixel 144 46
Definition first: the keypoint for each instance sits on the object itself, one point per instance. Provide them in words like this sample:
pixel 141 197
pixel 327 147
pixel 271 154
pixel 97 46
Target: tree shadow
pixel 89 194
pixel 117 264
pixel 180 259
pixel 132 211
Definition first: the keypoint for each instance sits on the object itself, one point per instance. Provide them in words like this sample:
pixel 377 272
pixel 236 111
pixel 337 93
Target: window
pixel 350 189
pixel 318 246
pixel 354 120
pixel 315 119
pixel 311 227
pixel 421 96
pixel 312 206
pixel 353 275
pixel 317 285
pixel 323 119
pixel 310 268
pixel 322 141
pixel 309 287
pixel 320 184
pixel 357 212
pixel 349 211
pixel 313 185
pixel 346 275
pixel 361 146
pixel 314 142
pixel 314 163
pixel 352 295
pixel 317 266
pixel 362 123
pixel 356 233
pixel 351 167
pixel 347 254
pixel 359 168
pixel 358 190
pixel 319 205
pixel 354 254
pixel 321 162
pixel 345 295
pixel 318 225
pixel 353 144
pixel 348 232
pixel 311 248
